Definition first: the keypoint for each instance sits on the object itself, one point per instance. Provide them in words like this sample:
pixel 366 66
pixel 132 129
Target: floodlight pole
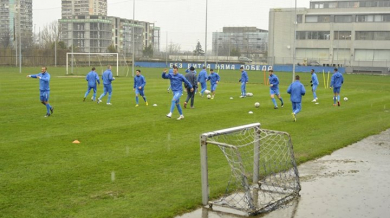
pixel 295 35
pixel 205 40
pixel 133 62
pixel 20 43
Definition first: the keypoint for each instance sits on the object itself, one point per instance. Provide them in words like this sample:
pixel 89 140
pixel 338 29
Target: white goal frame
pixel 272 186
pixel 77 53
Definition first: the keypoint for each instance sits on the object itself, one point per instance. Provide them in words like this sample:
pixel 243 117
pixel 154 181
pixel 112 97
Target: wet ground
pixel 353 182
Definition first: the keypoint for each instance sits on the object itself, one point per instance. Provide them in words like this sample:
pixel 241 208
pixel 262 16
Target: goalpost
pixel 263 172
pixel 83 61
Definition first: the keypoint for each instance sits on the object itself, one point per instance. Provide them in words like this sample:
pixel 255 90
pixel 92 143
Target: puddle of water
pixel 351 182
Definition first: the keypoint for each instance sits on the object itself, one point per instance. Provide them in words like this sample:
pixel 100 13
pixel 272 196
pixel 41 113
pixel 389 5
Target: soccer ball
pixel 207 92
pixel 249 94
pixel 208 96
pixel 257 104
pixel 345 99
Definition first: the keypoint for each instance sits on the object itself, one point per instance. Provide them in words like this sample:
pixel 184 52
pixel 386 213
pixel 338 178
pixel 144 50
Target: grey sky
pixel 183 20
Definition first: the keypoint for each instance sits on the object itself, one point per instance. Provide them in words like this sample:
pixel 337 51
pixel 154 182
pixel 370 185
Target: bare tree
pixel 50 34
pixel 5 39
pixel 174 48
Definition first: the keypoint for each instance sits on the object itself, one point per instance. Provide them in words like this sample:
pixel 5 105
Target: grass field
pixel 135 162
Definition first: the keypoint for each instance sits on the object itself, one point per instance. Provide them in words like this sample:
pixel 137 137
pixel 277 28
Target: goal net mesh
pixel 82 63
pixel 264 173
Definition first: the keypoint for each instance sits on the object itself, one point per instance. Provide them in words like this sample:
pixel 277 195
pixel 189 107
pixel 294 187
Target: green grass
pixel 135 162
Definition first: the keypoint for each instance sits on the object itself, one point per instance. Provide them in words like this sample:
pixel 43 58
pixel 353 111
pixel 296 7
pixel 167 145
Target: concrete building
pixel 70 8
pixel 15 15
pixel 85 25
pixel 336 33
pixel 251 42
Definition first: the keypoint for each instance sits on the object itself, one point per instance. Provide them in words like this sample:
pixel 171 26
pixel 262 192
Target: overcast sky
pixel 182 20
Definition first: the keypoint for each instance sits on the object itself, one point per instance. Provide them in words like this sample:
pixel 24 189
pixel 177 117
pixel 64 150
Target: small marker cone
pixel 76 142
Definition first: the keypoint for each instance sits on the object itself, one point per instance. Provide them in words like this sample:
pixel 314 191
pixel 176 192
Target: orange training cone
pixel 76 142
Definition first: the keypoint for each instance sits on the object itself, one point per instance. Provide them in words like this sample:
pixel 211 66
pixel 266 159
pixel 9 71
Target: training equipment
pixel 231 98
pixel 207 92
pixel 257 104
pixel 249 94
pixel 208 96
pixel 250 112
pixel 154 105
pixel 345 99
pixel 263 172
pixel 82 63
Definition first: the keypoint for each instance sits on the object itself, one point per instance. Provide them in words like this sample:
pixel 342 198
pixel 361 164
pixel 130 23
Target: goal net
pixel 263 172
pixel 82 63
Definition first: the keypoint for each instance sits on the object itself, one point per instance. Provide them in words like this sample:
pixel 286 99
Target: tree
pixel 111 49
pixel 148 51
pixel 174 48
pixel 235 52
pixel 5 38
pixel 50 34
pixel 198 50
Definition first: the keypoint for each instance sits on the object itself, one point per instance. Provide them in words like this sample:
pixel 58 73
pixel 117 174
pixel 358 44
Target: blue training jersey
pixel 273 79
pixel 176 81
pixel 202 77
pixel 139 81
pixel 296 90
pixel 213 77
pixel 92 77
pixel 44 81
pixel 244 77
pixel 314 79
pixel 107 77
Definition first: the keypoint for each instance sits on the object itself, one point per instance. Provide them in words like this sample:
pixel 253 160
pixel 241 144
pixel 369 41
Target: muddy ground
pixel 353 182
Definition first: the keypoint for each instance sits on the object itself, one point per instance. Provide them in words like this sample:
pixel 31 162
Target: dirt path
pixel 351 182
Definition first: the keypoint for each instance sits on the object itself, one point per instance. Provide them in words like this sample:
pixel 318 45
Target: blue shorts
pixel 274 91
pixel 213 87
pixel 336 90
pixel 139 91
pixel 44 96
pixel 108 88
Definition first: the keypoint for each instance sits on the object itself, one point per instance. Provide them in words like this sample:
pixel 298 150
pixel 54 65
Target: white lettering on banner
pixel 208 66
pixel 257 67
pixel 233 67
pixel 227 67
pixel 264 68
pixel 221 67
pixel 253 67
pixel 269 67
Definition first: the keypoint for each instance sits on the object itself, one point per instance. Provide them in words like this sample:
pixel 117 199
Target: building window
pixel 343 18
pixel 372 35
pixel 342 35
pixel 317 19
pixel 299 18
pixel 313 35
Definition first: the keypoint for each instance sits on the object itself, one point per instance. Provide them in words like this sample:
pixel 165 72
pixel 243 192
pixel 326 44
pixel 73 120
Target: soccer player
pixel 191 77
pixel 314 84
pixel 139 85
pixel 177 89
pixel 202 77
pixel 44 89
pixel 107 80
pixel 274 89
pixel 214 80
pixel 244 80
pixel 92 77
pixel 336 82
pixel 296 91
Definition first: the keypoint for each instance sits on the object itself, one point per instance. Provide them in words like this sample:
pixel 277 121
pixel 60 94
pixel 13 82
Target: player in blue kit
pixel 336 82
pixel 314 84
pixel 139 85
pixel 202 77
pixel 44 89
pixel 274 89
pixel 177 90
pixel 107 80
pixel 296 90
pixel 244 79
pixel 92 78
pixel 214 80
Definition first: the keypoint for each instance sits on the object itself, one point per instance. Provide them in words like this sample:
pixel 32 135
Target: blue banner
pixel 229 66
